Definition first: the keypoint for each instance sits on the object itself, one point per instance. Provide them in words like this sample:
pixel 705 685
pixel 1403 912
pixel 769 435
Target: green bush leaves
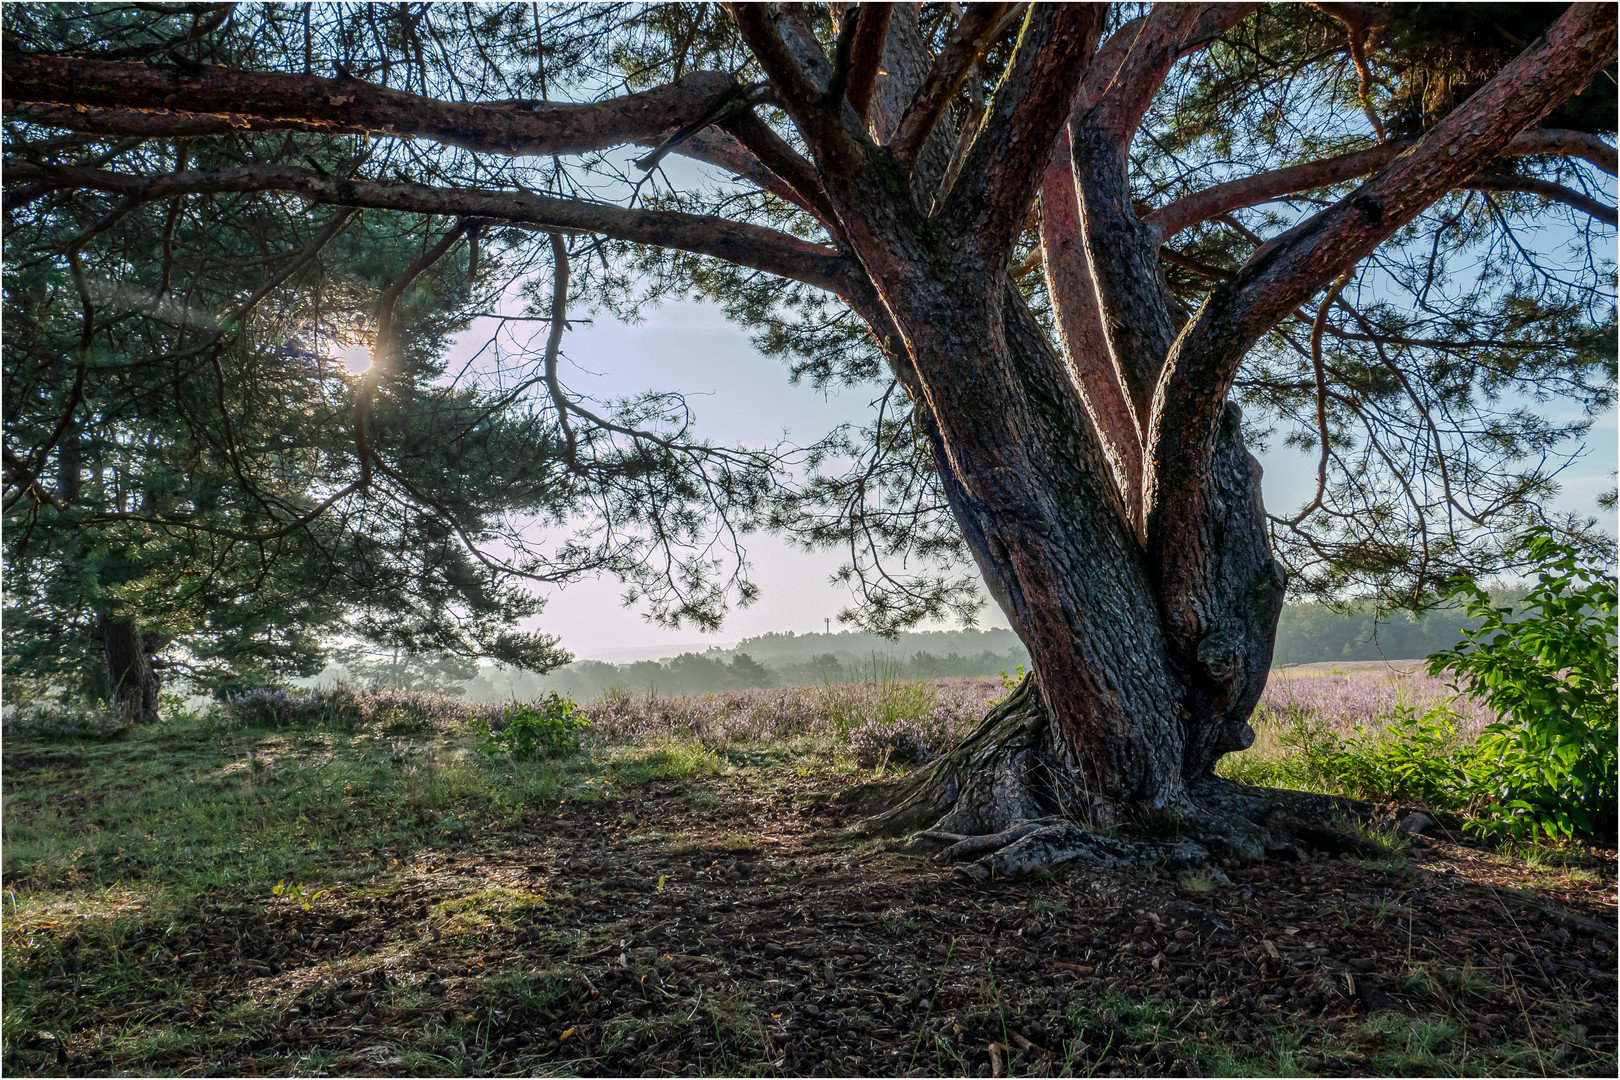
pixel 548 727
pixel 1549 765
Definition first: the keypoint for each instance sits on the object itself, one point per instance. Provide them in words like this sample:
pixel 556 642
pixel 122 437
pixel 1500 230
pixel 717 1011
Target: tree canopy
pixel 207 204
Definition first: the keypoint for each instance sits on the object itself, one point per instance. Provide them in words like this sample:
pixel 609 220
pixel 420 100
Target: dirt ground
pixel 721 926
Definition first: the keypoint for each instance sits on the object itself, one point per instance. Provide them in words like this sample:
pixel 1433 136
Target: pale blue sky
pixel 740 396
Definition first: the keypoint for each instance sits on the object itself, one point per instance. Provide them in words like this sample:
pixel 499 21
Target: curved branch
pixel 559 322
pixel 1546 189
pixel 274 98
pixel 1318 325
pixel 748 245
pixel 1192 392
pixel 1562 142
pixel 1264 187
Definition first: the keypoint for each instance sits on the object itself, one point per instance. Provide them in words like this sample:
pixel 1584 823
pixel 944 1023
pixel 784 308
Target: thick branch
pixel 1135 302
pixel 871 35
pixel 1564 143
pixel 1149 49
pixel 274 98
pixel 801 73
pixel 1084 340
pixel 162 123
pixel 787 68
pixel 966 43
pixel 1264 187
pixel 781 159
pixel 744 244
pixel 1003 170
pixel 1192 392
pixel 709 146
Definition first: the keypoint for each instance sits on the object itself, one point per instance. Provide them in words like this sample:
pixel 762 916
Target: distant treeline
pixel 775 660
pixel 1308 633
pixel 1315 633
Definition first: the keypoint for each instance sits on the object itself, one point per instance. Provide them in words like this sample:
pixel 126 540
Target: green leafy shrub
pixel 1549 668
pixel 1420 757
pixel 549 727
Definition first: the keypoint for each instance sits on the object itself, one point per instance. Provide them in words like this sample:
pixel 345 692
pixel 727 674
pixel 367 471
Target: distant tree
pixel 398 669
pixel 1069 238
pixel 748 674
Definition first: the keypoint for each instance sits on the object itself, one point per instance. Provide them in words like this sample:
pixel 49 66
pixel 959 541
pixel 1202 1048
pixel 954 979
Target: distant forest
pixel 1308 633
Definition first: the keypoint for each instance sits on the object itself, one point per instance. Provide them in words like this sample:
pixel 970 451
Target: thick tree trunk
pixel 1135 695
pixel 129 670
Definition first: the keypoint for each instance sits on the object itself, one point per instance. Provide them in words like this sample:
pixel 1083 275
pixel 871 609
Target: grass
pixel 123 858
pixel 191 808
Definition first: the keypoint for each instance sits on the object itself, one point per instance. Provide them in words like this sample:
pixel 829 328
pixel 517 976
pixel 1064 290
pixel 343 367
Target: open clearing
pixel 345 903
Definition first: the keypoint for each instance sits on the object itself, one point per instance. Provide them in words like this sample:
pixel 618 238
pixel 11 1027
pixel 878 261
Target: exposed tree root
pixel 1009 802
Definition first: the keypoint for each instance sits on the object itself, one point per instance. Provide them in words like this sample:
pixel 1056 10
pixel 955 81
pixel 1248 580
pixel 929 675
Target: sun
pixel 356 358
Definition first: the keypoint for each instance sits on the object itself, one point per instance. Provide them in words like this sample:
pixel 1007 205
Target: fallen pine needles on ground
pixel 356 890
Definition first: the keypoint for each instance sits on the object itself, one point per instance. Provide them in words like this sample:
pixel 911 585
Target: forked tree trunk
pixel 1126 712
pixel 130 674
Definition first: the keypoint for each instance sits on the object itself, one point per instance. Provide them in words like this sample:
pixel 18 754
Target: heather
pixel 874 721
pixel 893 721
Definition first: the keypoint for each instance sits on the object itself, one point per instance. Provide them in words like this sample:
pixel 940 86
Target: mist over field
pixel 1308 634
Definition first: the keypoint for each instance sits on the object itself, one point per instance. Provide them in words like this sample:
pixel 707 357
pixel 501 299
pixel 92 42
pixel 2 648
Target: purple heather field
pixel 898 721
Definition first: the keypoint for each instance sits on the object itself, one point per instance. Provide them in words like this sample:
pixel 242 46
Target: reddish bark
pixel 499 127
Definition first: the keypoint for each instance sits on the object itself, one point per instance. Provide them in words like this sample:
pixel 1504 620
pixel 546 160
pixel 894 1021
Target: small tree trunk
pixel 129 670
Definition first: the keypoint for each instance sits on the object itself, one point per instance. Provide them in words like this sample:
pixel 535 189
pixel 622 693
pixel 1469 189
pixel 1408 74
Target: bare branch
pixel 559 322
pixel 1318 325
pixel 1253 190
pixel 1484 181
pixel 1564 143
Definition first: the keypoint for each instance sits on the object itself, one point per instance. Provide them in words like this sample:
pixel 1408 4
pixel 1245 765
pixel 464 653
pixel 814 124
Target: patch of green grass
pixel 669 761
pixel 1386 842
pixel 1197 881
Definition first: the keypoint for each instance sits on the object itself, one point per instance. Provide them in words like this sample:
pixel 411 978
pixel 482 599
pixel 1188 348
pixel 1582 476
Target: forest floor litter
pixel 676 911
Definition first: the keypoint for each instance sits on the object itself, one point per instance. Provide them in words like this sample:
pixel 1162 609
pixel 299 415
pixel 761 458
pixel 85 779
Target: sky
pixel 740 396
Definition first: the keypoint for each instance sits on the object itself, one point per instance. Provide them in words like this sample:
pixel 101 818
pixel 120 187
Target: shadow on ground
pixel 719 925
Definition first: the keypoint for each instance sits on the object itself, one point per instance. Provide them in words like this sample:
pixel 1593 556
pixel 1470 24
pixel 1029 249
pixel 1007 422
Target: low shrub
pixel 1548 766
pixel 548 727
pixel 1544 768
